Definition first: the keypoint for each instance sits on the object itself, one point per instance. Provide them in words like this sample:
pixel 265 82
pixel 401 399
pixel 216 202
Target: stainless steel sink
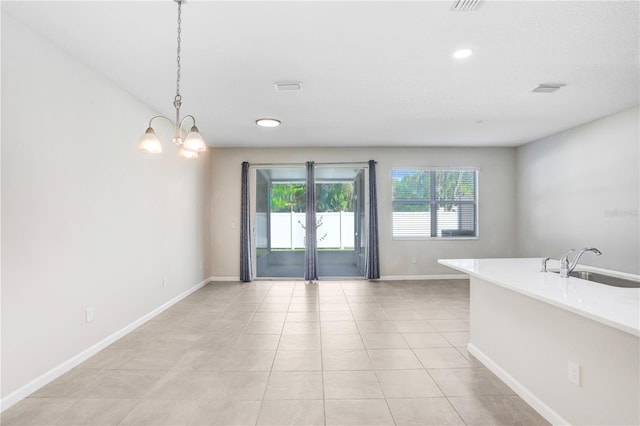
pixel 604 279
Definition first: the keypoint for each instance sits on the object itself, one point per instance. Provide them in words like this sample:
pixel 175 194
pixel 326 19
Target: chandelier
pixel 189 142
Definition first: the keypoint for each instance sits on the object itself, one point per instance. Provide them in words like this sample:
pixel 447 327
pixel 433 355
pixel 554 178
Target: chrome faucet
pixel 566 268
pixel 543 268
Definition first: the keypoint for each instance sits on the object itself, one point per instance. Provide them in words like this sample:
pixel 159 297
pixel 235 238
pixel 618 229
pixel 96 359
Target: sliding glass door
pixel 279 221
pixel 339 217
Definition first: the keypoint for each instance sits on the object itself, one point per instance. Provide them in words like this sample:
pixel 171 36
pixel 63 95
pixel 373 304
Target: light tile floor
pixel 288 353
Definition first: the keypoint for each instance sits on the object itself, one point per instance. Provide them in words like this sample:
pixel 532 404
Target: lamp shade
pixel 185 153
pixel 149 142
pixel 194 142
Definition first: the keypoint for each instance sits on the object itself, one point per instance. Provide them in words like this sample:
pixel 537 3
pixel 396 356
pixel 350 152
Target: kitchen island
pixel 569 347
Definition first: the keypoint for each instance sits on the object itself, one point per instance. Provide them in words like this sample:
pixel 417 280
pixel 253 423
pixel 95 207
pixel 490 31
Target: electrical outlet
pixel 164 281
pixel 414 260
pixel 88 315
pixel 574 373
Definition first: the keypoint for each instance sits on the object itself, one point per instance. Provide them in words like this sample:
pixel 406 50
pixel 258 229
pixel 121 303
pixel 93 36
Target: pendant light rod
pixel 192 142
pixel 178 98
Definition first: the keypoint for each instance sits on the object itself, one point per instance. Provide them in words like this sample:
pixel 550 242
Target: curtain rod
pixel 337 163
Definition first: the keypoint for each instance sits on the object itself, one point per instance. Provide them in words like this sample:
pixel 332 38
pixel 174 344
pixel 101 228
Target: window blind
pixel 434 203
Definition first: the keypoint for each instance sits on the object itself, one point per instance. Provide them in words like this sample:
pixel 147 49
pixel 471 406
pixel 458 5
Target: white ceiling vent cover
pixel 548 87
pixel 466 5
pixel 289 86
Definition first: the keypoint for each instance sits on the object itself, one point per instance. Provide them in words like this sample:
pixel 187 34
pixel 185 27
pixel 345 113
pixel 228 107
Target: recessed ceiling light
pixel 289 86
pixel 267 122
pixel 462 53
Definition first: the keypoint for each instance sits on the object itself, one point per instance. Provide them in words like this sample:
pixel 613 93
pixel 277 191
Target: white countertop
pixel 614 306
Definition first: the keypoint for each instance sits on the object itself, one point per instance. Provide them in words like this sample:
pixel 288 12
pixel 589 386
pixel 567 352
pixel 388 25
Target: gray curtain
pixel 310 255
pixel 373 261
pixel 245 227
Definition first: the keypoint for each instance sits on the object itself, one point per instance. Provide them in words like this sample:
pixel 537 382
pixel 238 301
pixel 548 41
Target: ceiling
pixel 373 73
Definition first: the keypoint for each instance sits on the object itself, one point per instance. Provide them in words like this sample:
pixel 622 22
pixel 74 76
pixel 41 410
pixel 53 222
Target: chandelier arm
pixel 161 116
pixel 185 117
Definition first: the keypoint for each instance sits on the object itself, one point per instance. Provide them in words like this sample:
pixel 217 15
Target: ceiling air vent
pixel 548 87
pixel 289 86
pixel 466 5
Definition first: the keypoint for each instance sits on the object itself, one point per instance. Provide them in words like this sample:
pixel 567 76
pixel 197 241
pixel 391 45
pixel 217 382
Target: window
pixel 435 203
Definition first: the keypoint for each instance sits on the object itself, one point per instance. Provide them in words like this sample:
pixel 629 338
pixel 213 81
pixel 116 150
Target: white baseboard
pixel 424 277
pixel 383 278
pixel 229 279
pixel 56 372
pixel 543 409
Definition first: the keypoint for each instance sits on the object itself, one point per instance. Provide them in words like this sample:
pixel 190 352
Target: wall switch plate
pixel 413 260
pixel 574 373
pixel 88 315
pixel 164 281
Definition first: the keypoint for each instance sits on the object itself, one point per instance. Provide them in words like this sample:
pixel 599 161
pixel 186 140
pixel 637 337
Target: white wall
pixel 581 188
pixel 87 220
pixel 497 203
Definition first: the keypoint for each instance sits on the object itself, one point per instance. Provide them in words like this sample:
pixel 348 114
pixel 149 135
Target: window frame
pixel 433 202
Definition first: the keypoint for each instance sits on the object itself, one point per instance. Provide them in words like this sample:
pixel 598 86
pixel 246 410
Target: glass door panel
pixel 360 223
pixel 279 222
pixel 339 224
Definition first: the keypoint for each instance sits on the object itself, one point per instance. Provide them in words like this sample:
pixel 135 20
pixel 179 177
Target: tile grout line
pixel 273 361
pixel 324 400
pixel 233 348
pixel 436 383
pixel 375 372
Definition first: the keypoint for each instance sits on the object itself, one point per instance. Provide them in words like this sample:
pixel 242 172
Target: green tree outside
pixel 330 197
pixel 287 198
pixel 412 189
